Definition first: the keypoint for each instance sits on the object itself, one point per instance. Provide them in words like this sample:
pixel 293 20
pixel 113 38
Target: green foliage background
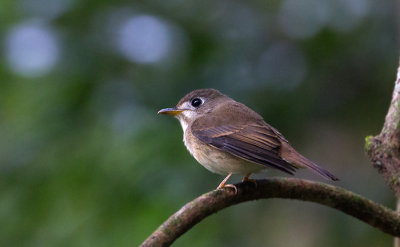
pixel 86 161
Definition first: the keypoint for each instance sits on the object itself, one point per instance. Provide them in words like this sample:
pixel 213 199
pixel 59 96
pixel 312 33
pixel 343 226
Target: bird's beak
pixel 170 111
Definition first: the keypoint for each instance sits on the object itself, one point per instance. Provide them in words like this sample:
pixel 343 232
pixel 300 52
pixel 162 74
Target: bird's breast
pixel 215 160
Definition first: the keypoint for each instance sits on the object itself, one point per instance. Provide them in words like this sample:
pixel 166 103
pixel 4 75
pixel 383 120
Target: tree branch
pixel 348 202
pixel 384 149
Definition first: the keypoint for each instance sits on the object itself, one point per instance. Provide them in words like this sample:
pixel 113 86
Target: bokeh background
pixel 86 161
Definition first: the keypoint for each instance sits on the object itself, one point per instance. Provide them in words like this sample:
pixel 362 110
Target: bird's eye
pixel 196 102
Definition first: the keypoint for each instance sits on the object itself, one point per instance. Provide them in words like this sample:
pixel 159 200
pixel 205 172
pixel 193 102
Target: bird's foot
pixel 224 185
pixel 247 179
pixel 228 186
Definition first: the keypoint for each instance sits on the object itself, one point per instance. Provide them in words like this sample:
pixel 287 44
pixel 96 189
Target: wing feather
pixel 253 142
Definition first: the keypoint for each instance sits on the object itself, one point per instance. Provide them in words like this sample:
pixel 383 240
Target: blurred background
pixel 86 161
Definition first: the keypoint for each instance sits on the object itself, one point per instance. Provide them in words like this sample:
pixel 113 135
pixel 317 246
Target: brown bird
pixel 227 137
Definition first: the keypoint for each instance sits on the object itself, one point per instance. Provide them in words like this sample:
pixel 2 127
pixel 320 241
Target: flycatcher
pixel 227 137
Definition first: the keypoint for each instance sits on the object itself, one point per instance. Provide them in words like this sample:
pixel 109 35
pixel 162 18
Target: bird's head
pixel 195 105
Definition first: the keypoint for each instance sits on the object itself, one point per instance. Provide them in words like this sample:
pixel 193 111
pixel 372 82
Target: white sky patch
pixel 144 39
pixel 31 49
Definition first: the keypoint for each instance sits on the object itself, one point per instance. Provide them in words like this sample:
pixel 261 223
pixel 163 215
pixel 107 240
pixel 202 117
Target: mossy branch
pixel 384 149
pixel 348 202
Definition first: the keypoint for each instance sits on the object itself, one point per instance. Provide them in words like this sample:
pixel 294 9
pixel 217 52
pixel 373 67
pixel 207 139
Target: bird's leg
pixel 247 179
pixel 223 184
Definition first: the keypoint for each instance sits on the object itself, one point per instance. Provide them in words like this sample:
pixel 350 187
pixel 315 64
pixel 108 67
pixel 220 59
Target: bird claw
pixel 228 186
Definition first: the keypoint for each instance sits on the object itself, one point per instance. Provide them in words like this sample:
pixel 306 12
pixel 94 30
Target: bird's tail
pixel 293 157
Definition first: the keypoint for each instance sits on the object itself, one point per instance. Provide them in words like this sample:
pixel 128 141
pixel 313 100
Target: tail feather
pixel 293 157
pixel 304 162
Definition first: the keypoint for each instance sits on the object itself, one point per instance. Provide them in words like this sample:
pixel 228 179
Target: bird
pixel 227 137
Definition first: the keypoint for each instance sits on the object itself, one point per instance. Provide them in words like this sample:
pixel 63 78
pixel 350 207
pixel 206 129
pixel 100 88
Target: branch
pixel 384 149
pixel 348 202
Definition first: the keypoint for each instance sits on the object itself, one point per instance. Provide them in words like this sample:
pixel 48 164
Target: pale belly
pixel 218 161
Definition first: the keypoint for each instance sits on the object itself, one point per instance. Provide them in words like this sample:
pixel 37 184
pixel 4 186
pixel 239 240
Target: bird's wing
pixel 255 142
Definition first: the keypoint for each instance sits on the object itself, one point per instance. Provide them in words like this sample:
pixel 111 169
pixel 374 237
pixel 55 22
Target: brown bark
pixel 348 202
